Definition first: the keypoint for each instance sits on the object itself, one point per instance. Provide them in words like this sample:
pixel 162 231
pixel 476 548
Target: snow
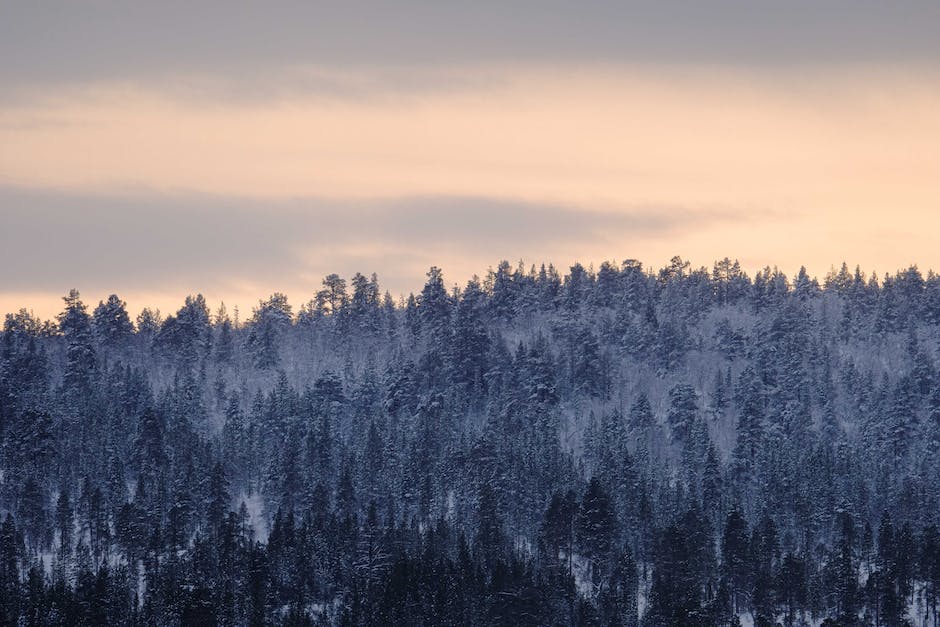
pixel 451 505
pixel 47 559
pixel 581 571
pixel 141 585
pixel 256 518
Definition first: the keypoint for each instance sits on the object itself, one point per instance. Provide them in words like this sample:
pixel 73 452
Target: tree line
pixel 619 446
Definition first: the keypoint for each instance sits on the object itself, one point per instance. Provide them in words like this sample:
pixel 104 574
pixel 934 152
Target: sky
pixel 236 149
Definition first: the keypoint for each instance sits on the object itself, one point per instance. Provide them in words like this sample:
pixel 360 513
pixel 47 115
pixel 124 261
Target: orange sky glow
pixel 802 166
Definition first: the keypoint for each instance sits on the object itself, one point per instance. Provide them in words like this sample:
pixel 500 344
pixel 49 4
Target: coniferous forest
pixel 610 446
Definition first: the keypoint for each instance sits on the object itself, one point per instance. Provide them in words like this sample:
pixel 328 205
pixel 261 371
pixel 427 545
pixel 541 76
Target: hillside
pixel 617 446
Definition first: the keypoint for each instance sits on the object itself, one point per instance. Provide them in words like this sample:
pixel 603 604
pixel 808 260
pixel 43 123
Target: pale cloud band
pixel 43 42
pixel 599 138
pixel 157 247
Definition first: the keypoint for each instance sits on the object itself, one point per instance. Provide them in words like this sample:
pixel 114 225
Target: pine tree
pixel 219 498
pixel 32 514
pixel 81 361
pixel 10 551
pixel 735 562
pixel 64 517
pixel 558 526
pixel 597 529
pixel 929 572
pixel 683 410
pixel 112 324
pixel 489 536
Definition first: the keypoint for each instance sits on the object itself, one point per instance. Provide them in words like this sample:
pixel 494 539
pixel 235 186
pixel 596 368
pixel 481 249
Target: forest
pixel 599 446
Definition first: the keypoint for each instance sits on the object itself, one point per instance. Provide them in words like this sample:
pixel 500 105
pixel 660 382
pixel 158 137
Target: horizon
pixel 172 302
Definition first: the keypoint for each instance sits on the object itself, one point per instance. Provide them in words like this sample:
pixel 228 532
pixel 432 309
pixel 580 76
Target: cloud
pixel 161 242
pixel 45 43
pixel 586 138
